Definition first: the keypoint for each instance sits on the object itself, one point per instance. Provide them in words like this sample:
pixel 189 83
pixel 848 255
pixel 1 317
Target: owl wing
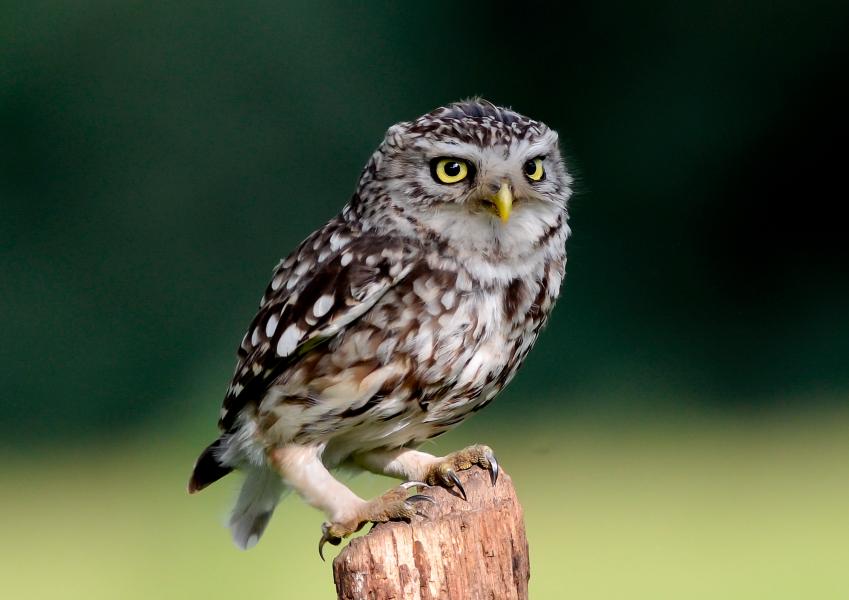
pixel 314 294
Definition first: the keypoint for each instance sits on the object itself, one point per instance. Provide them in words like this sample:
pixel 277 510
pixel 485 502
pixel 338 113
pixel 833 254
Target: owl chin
pixel 483 242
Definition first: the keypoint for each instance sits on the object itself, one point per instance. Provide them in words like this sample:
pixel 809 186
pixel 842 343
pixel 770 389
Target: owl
pixel 396 321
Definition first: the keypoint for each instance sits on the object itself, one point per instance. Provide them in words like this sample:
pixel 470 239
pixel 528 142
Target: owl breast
pixel 476 349
pixel 436 348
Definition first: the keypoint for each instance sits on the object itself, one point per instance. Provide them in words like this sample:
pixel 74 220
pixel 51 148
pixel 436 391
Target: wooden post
pixel 460 551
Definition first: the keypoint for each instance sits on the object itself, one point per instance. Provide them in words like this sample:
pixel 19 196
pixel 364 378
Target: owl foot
pixel 394 505
pixel 444 471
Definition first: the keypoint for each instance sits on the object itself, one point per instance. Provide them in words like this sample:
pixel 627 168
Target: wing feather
pixel 309 301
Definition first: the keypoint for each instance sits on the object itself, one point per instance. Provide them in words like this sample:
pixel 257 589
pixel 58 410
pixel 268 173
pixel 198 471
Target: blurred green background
pixel 682 428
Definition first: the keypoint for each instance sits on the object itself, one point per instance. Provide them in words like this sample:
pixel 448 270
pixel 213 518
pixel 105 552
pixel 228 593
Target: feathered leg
pixel 302 470
pixel 414 465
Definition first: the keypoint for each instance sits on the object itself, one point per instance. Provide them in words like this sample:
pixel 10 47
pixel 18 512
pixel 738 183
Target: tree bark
pixel 460 551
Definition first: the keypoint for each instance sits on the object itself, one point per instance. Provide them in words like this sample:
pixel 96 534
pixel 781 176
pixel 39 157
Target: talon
pixel 326 538
pixel 443 471
pixel 421 497
pixel 493 466
pixel 452 476
pixel 394 505
pixel 407 485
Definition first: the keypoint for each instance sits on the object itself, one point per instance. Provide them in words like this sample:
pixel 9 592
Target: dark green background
pixel 158 158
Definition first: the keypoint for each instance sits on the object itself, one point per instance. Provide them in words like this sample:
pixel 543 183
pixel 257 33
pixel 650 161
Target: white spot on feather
pixel 464 282
pixel 337 241
pixel 271 326
pixel 322 305
pixel 303 267
pixel 346 259
pixel 426 289
pixel 448 299
pixel 288 341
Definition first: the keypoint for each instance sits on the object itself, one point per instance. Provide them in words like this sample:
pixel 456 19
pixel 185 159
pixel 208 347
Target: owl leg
pixel 408 464
pixel 301 468
pixel 400 463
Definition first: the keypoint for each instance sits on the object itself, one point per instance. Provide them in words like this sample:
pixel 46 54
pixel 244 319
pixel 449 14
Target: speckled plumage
pixel 403 315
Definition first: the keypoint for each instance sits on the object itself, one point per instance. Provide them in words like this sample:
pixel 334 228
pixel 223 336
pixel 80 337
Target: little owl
pixel 397 320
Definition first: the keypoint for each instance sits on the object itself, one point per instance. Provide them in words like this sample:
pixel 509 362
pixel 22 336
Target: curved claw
pixel 408 484
pixel 493 467
pixel 417 497
pixel 452 476
pixel 326 538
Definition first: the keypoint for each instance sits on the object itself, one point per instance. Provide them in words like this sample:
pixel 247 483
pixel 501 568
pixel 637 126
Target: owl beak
pixel 503 202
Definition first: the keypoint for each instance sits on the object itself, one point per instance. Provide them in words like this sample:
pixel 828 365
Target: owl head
pixel 470 173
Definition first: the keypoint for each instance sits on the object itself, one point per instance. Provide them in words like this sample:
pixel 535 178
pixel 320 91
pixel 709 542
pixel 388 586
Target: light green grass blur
pixel 692 509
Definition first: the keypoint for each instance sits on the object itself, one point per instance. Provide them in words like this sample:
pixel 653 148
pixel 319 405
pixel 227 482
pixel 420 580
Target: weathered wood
pixel 461 551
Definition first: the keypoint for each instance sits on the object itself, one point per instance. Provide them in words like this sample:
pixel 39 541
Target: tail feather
pixel 208 468
pixel 260 494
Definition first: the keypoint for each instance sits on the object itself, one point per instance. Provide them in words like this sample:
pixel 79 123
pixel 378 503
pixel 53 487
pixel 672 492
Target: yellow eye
pixel 449 170
pixel 534 170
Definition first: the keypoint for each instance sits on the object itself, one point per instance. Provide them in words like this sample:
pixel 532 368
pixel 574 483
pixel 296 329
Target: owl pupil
pixel 452 169
pixel 530 167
